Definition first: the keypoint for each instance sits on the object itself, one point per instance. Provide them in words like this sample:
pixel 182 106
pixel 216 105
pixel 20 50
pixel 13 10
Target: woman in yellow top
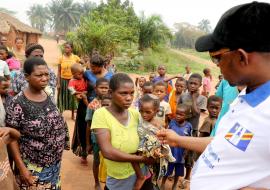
pixel 65 101
pixel 115 127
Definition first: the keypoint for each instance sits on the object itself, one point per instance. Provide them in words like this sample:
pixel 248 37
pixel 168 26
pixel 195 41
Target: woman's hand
pixel 27 177
pixel 167 136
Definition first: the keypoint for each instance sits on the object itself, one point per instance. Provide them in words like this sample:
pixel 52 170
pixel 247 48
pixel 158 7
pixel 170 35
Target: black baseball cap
pixel 244 26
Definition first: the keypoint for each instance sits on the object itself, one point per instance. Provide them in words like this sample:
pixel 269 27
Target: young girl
pixel 101 89
pixel 149 145
pixel 139 85
pixel 116 130
pixel 206 82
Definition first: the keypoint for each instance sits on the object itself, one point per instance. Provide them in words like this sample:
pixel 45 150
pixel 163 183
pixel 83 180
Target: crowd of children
pixel 160 104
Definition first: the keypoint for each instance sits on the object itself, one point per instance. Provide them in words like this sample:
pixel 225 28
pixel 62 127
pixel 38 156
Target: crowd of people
pixel 145 131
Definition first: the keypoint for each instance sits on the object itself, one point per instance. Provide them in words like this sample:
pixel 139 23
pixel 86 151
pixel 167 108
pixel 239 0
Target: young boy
pixel 77 85
pixel 214 104
pixel 206 82
pixel 152 76
pixel 162 77
pixel 180 87
pixel 220 78
pixel 147 88
pixel 182 128
pixel 164 108
pixel 198 104
pixel 101 89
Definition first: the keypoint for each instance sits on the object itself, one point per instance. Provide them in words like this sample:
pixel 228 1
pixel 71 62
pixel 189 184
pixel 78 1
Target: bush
pixel 149 64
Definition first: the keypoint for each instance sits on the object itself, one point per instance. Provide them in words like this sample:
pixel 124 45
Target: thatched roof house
pixel 11 28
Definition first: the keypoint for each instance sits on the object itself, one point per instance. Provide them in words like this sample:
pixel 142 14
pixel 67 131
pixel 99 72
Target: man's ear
pixel 244 61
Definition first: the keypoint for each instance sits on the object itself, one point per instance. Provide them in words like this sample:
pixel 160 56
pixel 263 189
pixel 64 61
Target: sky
pixel 171 11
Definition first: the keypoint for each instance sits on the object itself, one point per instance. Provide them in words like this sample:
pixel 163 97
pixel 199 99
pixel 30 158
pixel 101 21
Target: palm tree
pixel 38 16
pixel 65 15
pixel 204 25
pixel 86 6
pixel 152 31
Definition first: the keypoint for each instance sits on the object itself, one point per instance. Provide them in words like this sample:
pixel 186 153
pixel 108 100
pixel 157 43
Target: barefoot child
pixel 214 104
pixel 101 89
pixel 164 108
pixel 149 145
pixel 180 87
pixel 207 79
pixel 182 128
pixel 198 104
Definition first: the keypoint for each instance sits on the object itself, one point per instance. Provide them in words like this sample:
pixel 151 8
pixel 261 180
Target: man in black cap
pixel 238 156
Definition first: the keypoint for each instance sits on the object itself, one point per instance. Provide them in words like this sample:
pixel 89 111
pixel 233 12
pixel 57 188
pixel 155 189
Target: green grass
pixel 174 62
pixel 203 55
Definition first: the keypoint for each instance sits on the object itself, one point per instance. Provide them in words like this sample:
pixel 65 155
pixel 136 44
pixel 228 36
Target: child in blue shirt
pixel 182 128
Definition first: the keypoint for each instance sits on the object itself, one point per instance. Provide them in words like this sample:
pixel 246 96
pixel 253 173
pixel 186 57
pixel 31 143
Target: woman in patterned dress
pixel 38 152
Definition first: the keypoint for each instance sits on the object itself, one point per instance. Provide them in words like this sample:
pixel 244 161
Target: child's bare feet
pixel 139 182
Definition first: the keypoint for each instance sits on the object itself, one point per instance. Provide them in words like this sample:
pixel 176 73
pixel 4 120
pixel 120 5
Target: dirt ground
pixel 74 175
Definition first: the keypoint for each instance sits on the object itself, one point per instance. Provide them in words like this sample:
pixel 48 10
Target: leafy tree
pixel 65 15
pixel 4 10
pixel 204 25
pixel 38 16
pixel 185 35
pixel 152 31
pixel 121 14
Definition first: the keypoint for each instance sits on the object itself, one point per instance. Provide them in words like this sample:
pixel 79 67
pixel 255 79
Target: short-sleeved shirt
pixel 124 138
pixel 164 109
pixel 238 156
pixel 75 85
pixel 208 125
pixel 91 108
pixel 66 62
pixel 184 129
pixel 42 128
pixel 207 83
pixel 193 118
pixel 4 70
